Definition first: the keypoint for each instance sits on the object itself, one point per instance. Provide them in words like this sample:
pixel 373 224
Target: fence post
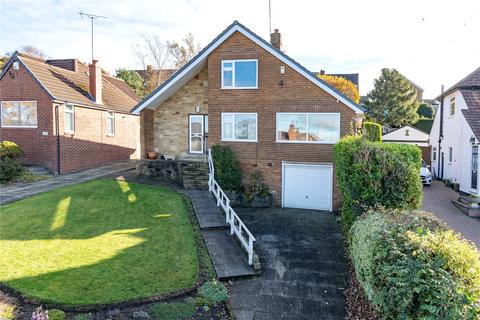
pixel 250 250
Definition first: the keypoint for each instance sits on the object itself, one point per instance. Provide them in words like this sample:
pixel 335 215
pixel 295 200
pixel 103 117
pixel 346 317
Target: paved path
pixel 437 199
pixel 227 256
pixel 303 263
pixel 19 191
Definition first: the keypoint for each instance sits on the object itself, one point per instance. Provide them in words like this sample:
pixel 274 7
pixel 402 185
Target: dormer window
pixel 240 74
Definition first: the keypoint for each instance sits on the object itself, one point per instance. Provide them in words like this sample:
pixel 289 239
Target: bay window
pixel 239 126
pixel 308 127
pixel 19 114
pixel 239 74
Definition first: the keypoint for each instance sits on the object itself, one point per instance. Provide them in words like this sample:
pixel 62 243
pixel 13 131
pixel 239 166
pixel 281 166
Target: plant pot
pixel 152 155
pixel 456 186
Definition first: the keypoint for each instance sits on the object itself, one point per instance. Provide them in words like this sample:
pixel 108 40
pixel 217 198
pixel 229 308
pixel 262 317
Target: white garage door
pixel 307 186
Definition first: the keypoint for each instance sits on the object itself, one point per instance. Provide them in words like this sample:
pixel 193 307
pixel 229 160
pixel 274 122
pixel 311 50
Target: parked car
pixel 425 174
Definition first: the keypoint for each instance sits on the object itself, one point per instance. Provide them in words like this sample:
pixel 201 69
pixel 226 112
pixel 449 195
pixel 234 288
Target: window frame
pixel 111 117
pixel 232 68
pixel 235 139
pixel 450 155
pixel 307 114
pixel 454 109
pixel 65 111
pixel 18 127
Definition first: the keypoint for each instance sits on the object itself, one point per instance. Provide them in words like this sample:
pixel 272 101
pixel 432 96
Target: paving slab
pixel 228 258
pixel 209 216
pixel 17 192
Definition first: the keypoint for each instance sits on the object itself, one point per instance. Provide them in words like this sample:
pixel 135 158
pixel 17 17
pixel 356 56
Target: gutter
pixel 440 136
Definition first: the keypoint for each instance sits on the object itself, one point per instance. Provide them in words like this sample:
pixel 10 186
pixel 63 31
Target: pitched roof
pixel 196 64
pixel 69 86
pixel 472 81
pixel 424 125
pixel 473 119
pixel 352 77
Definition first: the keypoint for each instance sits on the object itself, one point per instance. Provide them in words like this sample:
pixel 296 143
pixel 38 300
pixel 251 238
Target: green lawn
pixel 98 242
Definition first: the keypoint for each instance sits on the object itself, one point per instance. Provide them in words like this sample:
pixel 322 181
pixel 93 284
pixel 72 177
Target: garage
pixel 307 186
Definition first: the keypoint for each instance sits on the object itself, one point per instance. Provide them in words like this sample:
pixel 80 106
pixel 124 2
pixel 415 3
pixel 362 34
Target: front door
pixel 196 133
pixel 474 166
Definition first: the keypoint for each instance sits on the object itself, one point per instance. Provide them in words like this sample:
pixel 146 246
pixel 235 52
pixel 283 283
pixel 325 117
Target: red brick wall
pixel 297 94
pixel 88 147
pixel 21 86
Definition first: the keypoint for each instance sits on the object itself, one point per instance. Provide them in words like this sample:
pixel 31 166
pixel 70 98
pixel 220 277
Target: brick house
pixel 278 117
pixel 65 115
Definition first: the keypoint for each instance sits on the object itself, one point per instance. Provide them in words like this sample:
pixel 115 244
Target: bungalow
pixel 278 117
pixel 65 115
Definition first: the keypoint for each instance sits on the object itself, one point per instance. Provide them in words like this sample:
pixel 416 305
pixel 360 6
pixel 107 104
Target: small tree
pixel 227 168
pixel 372 131
pixel 343 85
pixel 182 53
pixel 425 111
pixel 133 79
pixel 393 100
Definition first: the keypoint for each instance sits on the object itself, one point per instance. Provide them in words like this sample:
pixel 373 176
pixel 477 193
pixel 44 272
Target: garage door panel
pixel 307 186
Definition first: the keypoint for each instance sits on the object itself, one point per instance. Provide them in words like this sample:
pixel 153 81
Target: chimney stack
pixel 95 79
pixel 276 39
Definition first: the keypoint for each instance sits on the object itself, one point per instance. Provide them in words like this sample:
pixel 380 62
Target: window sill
pixel 240 88
pixel 304 142
pixel 110 135
pixel 237 140
pixel 69 133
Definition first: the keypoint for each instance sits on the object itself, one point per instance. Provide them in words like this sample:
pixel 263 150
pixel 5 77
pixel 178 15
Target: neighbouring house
pixel 410 134
pixel 456 133
pixel 278 117
pixel 65 115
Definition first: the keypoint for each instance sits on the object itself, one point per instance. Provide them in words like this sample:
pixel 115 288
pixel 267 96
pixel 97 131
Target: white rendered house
pixel 455 134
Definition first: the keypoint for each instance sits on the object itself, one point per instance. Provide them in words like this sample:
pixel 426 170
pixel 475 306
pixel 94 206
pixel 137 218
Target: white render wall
pixel 456 134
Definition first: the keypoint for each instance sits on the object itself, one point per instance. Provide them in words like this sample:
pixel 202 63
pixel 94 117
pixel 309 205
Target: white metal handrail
pixel 237 226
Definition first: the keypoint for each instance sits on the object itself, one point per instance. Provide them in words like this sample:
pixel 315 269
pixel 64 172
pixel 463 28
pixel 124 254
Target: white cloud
pixel 431 42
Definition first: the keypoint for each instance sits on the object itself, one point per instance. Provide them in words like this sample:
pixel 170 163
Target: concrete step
pixel 228 258
pixel 465 208
pixel 40 170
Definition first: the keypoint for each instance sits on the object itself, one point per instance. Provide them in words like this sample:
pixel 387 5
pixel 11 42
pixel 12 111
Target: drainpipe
pixel 57 132
pixel 440 138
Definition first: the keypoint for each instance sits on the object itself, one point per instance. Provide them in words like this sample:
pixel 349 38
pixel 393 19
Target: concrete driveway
pixel 437 199
pixel 304 268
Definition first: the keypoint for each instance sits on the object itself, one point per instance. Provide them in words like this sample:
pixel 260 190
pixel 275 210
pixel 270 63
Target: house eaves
pixel 197 63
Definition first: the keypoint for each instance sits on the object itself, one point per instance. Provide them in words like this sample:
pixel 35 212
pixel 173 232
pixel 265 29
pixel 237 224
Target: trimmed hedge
pixel 412 267
pixel 376 174
pixel 227 168
pixel 372 131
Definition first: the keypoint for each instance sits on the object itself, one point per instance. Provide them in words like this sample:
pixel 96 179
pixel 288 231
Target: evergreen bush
pixel 372 131
pixel 227 169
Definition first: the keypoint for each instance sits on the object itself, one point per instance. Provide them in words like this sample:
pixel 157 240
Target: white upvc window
pixel 240 74
pixel 320 128
pixel 110 123
pixel 69 118
pixel 19 114
pixel 452 106
pixel 239 127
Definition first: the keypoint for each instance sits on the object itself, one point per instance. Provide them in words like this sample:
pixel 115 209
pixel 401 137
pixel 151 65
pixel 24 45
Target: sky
pixel 431 42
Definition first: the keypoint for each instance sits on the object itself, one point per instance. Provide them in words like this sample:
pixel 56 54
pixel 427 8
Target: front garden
pixel 10 169
pixel 105 245
pixel 406 263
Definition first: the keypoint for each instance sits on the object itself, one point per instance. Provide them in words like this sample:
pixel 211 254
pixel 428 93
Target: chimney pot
pixel 276 39
pixel 95 81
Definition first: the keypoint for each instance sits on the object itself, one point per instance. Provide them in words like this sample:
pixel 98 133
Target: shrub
pixel 372 131
pixel 227 168
pixel 212 293
pixel 56 314
pixel 10 170
pixel 373 173
pixel 83 316
pixel 39 314
pixel 7 312
pixel 9 149
pixel 412 267
pixel 173 310
pixel 255 186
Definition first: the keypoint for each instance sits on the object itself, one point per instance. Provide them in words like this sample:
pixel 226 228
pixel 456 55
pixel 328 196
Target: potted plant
pixel 256 191
pixel 152 155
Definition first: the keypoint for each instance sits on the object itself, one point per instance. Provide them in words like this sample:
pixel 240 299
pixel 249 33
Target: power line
pixel 91 17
